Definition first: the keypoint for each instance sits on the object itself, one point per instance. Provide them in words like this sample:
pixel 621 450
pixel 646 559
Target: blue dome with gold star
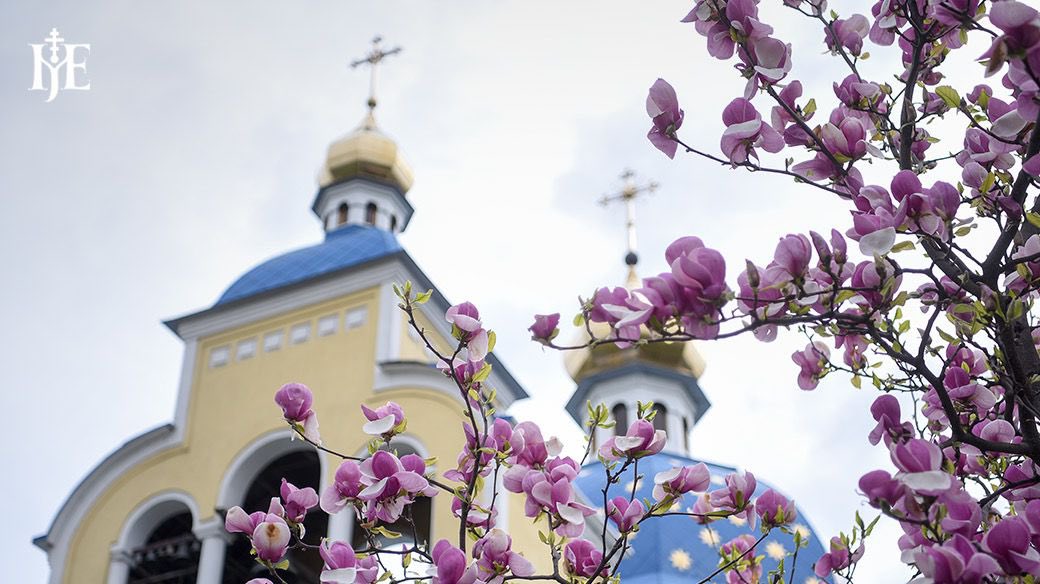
pixel 676 549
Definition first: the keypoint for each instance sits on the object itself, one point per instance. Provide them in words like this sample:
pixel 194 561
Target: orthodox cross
pixel 372 59
pixel 54 40
pixel 628 195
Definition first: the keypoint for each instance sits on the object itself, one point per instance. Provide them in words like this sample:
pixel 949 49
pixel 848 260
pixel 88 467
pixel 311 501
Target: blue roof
pixel 677 549
pixel 344 247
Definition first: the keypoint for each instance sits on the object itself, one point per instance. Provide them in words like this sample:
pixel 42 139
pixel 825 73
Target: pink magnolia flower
pixel 736 495
pixel 848 33
pixel 746 131
pixel 871 280
pixel 921 461
pixel 640 440
pixel 662 105
pixel 495 559
pixel 529 448
pixel 625 514
pixel 959 511
pixel 956 560
pixel 774 509
pixel 551 490
pixel 966 392
pixel 451 566
pixel 879 487
pixel 465 320
pixel 1020 24
pixel 838 558
pixel 856 93
pixel 679 481
pixel 701 274
pixel 296 399
pixel 344 488
pixel 391 486
pixel 749 567
pixel 238 521
pixel 813 361
pixel 1009 542
pixel 343 567
pixel 953 12
pixel 886 412
pixel 545 327
pixel 297 501
pixel 271 539
pixel 793 254
pixel 386 420
pixel 581 559
pixel 768 61
pixel 846 140
pixel 259 581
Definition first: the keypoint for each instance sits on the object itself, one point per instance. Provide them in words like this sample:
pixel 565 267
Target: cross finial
pixel 373 58
pixel 628 194
pixel 54 40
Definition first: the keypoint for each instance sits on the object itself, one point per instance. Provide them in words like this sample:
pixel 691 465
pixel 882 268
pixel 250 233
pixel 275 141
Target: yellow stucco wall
pixel 232 405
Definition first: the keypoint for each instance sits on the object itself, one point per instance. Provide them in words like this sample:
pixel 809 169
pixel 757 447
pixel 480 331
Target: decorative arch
pixel 257 456
pixel 370 213
pixel 341 214
pixel 143 520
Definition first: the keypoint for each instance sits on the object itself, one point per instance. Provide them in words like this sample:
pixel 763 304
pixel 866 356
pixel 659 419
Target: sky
pixel 194 156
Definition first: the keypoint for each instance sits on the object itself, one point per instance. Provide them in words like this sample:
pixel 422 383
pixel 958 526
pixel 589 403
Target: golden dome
pixel 366 153
pixel 681 357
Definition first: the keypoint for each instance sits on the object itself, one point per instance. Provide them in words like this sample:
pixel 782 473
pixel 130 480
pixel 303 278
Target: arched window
pixel 620 413
pixel 370 213
pixel 660 417
pixel 393 223
pixel 341 214
pixel 169 554
pixel 302 469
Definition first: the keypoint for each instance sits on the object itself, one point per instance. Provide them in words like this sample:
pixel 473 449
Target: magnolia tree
pixel 935 310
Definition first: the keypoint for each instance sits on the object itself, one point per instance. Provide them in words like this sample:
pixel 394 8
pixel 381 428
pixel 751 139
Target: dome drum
pixel 679 395
pixel 362 202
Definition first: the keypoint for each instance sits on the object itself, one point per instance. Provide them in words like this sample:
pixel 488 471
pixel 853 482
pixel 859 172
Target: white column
pixel 341 526
pixel 118 567
pixel 214 540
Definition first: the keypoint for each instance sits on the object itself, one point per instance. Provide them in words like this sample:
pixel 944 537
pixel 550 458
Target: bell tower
pixel 664 373
pixel 364 179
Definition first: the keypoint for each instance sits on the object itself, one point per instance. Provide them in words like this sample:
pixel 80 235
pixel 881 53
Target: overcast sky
pixel 193 157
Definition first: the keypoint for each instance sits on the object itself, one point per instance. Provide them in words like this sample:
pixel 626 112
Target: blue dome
pixel 344 247
pixel 677 549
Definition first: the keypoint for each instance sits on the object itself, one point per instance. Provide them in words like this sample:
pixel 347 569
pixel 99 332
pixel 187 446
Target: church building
pixel 326 316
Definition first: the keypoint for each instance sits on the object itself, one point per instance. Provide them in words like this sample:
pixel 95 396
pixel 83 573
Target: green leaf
pixel 902 246
pixel 424 297
pixel 1033 219
pixel 483 374
pixel 491 341
pixel 949 95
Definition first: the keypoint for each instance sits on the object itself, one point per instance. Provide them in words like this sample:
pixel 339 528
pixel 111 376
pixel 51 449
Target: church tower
pixel 326 316
pixel 671 549
pixel 663 373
